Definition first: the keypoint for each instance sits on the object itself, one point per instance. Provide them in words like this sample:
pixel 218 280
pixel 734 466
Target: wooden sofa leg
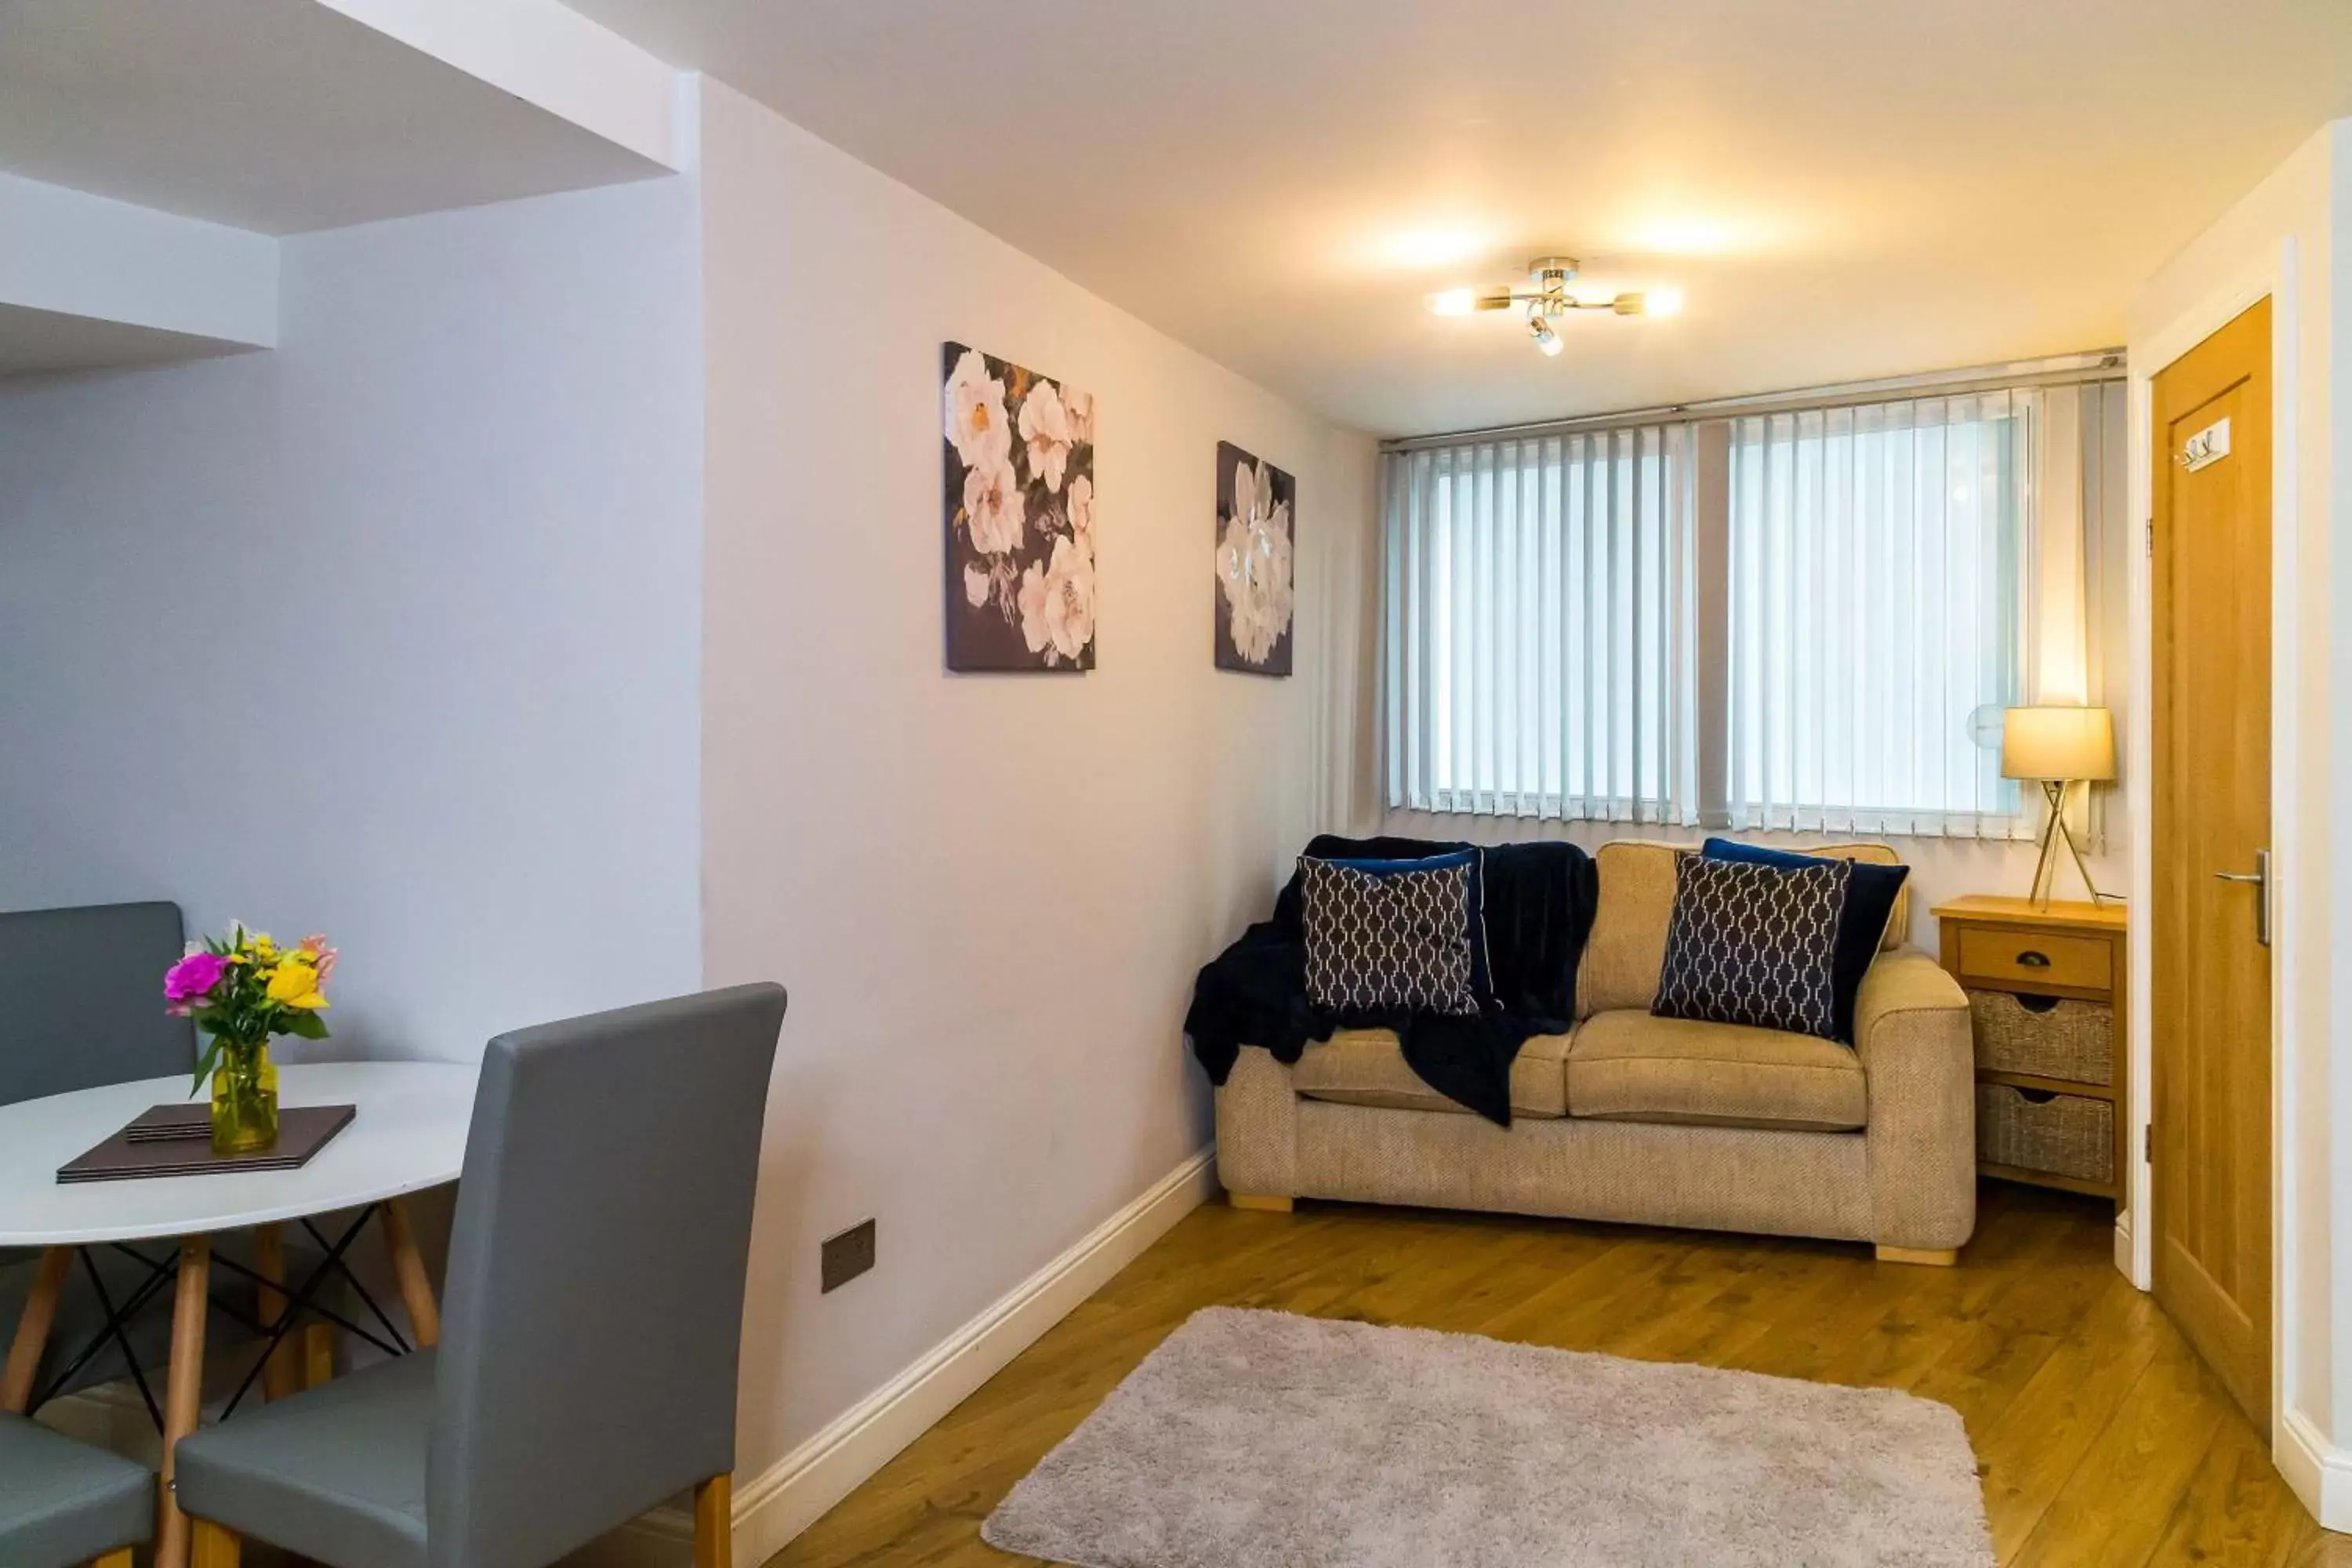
pixel 714 1523
pixel 1260 1202
pixel 1933 1257
pixel 113 1559
pixel 212 1547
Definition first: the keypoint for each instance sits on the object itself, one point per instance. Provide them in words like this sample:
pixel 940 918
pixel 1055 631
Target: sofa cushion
pixel 1626 1064
pixel 1628 944
pixel 1898 920
pixel 1366 1067
pixel 1395 935
pixel 1869 911
pixel 1755 944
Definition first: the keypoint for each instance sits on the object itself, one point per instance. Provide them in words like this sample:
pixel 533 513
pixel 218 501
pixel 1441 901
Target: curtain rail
pixel 2071 369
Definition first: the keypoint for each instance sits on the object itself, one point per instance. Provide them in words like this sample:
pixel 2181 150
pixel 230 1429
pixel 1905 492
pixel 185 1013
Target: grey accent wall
pixel 392 632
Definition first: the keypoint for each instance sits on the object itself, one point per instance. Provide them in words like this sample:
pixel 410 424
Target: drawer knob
pixel 2030 959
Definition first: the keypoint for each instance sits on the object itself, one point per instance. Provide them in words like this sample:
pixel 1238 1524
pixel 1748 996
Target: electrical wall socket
pixel 845 1256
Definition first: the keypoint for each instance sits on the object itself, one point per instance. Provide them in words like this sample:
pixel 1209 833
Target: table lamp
pixel 2056 747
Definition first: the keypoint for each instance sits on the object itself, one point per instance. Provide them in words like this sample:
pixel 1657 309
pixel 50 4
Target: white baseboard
pixel 2316 1470
pixel 776 1505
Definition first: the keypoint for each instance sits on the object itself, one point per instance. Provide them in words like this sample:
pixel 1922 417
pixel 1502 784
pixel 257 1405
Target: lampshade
pixel 2057 743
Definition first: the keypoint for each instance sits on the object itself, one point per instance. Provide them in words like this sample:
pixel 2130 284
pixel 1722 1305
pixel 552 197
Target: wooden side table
pixel 2046 990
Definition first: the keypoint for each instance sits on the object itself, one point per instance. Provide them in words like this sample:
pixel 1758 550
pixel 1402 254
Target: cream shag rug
pixel 1266 1440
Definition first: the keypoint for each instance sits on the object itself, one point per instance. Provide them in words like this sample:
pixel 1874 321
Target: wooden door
pixel 2210 605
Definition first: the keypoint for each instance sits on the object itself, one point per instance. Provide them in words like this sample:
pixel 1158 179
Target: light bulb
pixel 1546 338
pixel 1453 302
pixel 1662 301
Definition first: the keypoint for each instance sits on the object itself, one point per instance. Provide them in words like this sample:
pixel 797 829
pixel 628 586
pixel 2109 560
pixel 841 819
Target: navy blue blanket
pixel 1539 902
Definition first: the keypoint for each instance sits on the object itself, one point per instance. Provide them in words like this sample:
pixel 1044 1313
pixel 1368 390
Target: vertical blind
pixel 1877 599
pixel 1802 620
pixel 1536 627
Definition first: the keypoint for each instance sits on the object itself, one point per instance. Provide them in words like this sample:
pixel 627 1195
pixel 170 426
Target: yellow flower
pixel 296 984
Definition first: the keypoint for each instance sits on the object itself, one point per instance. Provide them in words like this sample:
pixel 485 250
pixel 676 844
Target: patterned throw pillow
pixel 1869 904
pixel 1393 936
pixel 1754 945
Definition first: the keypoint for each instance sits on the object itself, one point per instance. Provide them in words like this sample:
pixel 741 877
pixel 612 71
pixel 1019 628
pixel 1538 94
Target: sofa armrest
pixel 1911 1029
pixel 1257 1127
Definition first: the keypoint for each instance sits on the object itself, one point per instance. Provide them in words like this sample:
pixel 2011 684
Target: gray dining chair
pixel 590 1324
pixel 64 1504
pixel 82 1005
pixel 81 999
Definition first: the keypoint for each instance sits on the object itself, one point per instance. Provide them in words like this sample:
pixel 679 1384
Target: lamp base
pixel 2045 868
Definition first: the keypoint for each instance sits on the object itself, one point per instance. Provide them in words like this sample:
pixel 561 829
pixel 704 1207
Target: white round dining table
pixel 407 1134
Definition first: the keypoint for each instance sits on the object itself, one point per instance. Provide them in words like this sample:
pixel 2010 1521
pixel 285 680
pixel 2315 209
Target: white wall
pixel 2291 238
pixel 392 632
pixel 988 894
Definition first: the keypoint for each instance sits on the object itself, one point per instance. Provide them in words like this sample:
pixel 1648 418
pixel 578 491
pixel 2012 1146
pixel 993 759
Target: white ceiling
pixel 279 116
pixel 1843 188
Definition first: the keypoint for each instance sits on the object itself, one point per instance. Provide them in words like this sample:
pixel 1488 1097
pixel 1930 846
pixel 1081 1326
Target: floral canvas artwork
pixel 1256 513
pixel 1020 467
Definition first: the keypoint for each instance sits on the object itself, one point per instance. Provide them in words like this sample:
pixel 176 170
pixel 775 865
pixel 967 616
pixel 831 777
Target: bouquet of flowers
pixel 243 989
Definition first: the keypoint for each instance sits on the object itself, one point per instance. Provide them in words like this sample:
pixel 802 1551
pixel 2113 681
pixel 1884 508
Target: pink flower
pixel 190 979
pixel 322 956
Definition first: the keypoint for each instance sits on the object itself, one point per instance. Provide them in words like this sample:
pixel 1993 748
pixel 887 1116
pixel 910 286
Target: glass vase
pixel 245 1100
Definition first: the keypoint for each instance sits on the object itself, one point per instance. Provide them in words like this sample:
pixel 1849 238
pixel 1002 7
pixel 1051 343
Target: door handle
pixel 2261 877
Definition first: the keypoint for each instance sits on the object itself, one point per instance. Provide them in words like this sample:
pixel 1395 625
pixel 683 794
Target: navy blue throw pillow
pixel 1869 905
pixel 1388 936
pixel 1754 945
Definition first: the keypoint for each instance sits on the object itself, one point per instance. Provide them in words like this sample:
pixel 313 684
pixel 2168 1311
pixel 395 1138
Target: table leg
pixel 183 1398
pixel 218 1547
pixel 282 1376
pixel 318 1354
pixel 409 1266
pixel 33 1330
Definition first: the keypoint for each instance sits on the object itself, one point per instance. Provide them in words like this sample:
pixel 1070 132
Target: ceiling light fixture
pixel 1549 299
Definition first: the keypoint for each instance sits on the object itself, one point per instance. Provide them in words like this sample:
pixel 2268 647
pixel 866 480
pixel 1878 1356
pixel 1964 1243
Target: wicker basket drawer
pixel 2049 1036
pixel 2065 1134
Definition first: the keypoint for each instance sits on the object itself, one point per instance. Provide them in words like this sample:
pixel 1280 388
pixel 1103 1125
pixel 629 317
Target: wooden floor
pixel 2101 1437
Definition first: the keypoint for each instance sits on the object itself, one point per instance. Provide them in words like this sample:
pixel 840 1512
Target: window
pixel 1535 625
pixel 1876 597
pixel 1790 620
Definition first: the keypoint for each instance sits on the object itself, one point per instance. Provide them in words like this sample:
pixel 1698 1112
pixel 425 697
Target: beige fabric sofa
pixel 1646 1119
